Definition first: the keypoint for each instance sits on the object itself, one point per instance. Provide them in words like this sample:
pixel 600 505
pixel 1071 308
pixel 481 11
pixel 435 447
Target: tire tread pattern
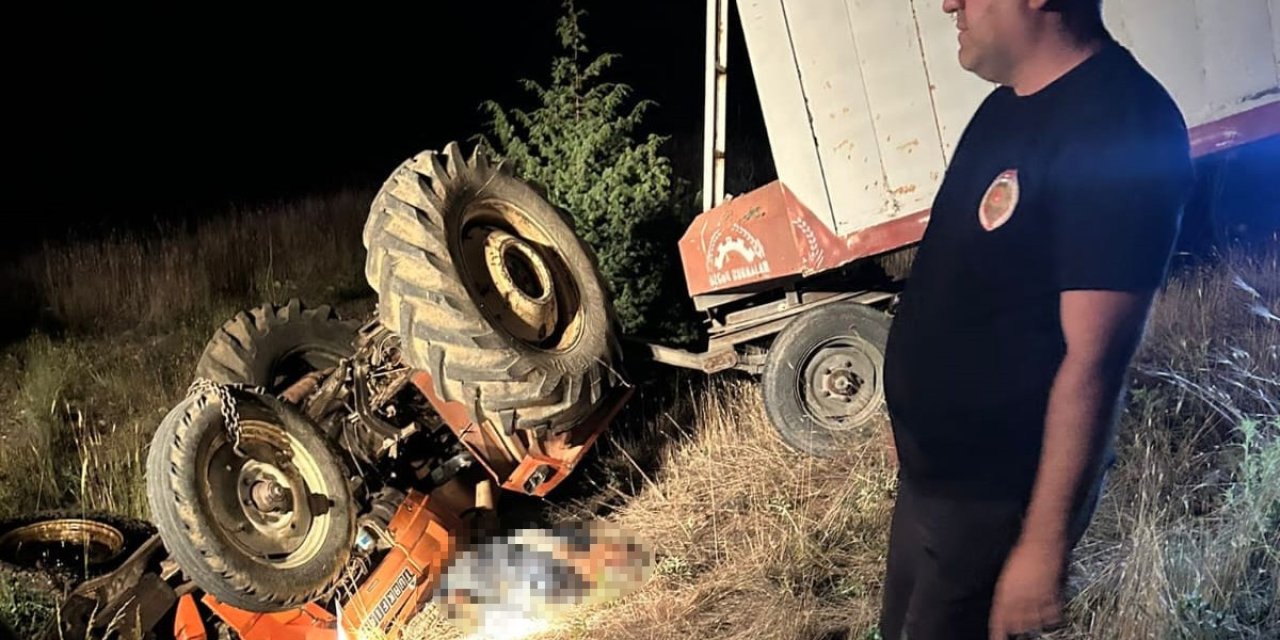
pixel 424 300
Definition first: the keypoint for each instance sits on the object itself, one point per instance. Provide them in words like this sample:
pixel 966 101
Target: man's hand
pixel 1102 330
pixel 1028 596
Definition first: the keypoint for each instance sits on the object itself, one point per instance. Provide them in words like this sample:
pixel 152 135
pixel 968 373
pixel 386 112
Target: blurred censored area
pixel 527 578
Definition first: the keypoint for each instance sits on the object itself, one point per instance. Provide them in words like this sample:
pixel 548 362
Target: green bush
pixel 582 148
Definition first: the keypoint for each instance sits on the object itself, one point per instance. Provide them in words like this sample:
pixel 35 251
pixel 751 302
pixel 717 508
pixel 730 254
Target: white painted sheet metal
pixel 864 100
pixel 955 94
pixel 1275 33
pixel 897 84
pixel 782 102
pixel 839 108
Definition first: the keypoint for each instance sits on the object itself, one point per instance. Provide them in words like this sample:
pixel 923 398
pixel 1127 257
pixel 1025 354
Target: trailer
pixel 864 102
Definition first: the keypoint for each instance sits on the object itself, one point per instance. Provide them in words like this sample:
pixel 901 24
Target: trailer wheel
pixel 266 527
pixel 492 293
pixel 823 378
pixel 273 345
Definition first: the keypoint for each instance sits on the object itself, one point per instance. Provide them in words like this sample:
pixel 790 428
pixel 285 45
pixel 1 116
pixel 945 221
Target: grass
pixel 309 248
pixel 752 539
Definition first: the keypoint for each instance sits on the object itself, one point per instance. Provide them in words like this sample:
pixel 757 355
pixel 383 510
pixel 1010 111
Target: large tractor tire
pixel 491 292
pixel 272 346
pixel 267 527
pixel 823 382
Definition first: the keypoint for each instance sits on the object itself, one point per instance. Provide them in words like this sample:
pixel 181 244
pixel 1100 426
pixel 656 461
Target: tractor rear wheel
pixel 491 292
pixel 823 378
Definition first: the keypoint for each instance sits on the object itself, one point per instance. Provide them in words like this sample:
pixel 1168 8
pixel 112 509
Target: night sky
pixel 114 119
pixel 117 118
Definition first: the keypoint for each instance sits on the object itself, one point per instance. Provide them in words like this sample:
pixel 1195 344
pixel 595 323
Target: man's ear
pixel 1037 5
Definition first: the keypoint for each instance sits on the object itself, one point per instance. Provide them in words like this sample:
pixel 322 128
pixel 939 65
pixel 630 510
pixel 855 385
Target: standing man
pixel 1005 367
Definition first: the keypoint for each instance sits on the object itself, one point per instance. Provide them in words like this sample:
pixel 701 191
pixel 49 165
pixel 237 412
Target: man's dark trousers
pixel 945 555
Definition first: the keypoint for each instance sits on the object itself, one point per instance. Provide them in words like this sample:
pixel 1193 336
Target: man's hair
pixel 1081 18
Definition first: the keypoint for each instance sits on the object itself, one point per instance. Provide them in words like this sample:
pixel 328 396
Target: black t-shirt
pixel 1078 186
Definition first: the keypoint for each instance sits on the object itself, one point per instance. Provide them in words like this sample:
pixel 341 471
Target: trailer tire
pixel 823 378
pixel 272 345
pixel 202 499
pixel 492 293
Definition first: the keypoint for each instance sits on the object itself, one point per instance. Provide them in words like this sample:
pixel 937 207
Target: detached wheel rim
pixel 67 543
pixel 838 383
pixel 270 504
pixel 514 271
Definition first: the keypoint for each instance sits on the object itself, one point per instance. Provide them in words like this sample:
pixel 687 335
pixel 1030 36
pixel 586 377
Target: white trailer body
pixel 864 101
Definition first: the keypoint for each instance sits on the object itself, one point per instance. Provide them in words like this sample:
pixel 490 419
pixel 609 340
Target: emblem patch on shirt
pixel 1000 200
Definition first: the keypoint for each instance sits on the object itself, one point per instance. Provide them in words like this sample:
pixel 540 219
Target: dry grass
pixel 120 326
pixel 310 248
pixel 112 332
pixel 1187 541
pixel 752 539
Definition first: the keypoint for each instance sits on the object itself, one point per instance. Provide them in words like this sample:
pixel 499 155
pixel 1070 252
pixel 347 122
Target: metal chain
pixel 221 392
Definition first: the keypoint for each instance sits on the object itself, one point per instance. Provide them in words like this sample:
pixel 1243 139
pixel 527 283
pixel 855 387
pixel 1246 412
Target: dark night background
pixel 115 119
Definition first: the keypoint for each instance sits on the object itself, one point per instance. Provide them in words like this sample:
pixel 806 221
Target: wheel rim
pixel 512 268
pixel 271 503
pixel 66 543
pixel 838 383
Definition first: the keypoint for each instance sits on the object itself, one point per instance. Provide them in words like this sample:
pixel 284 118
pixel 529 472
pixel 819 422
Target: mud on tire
pixel 273 345
pixel 491 292
pixel 202 497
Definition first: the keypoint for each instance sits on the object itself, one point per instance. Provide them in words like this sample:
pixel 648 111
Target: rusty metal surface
pixel 707 362
pixel 759 313
pixel 767 234
pixel 766 326
pixel 79 539
pixel 1242 128
pixel 514 459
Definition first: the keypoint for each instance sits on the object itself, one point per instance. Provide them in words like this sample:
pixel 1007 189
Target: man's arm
pixel 1103 330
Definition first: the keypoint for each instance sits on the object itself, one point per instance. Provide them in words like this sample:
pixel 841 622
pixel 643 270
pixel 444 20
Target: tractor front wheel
pixel 260 515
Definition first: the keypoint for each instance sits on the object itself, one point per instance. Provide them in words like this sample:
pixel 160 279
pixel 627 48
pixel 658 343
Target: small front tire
pixel 266 531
